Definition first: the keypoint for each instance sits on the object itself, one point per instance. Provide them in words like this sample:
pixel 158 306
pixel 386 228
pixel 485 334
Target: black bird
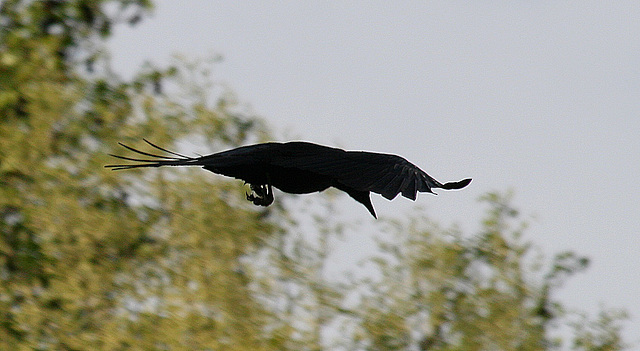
pixel 299 167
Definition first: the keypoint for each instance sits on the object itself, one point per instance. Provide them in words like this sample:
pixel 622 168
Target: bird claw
pixel 257 200
pixel 263 195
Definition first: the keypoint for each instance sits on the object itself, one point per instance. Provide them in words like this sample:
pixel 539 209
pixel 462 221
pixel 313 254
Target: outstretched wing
pixel 385 174
pixel 390 175
pixel 360 171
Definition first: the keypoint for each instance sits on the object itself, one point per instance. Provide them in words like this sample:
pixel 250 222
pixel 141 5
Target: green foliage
pixel 91 259
pixel 601 334
pixel 440 290
pixel 175 259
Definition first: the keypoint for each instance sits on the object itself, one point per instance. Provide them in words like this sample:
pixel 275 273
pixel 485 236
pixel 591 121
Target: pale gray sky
pixel 542 97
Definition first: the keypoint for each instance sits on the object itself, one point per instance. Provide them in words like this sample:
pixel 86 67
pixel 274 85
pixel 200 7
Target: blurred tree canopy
pixel 177 260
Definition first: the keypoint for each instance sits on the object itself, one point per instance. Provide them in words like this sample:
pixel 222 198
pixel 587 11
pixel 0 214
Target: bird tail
pixel 157 161
pixel 456 185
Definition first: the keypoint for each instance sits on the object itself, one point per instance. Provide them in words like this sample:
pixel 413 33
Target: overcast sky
pixel 541 97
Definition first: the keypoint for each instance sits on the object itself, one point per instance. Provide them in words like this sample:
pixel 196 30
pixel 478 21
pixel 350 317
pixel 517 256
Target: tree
pixel 440 290
pixel 176 260
pixel 90 260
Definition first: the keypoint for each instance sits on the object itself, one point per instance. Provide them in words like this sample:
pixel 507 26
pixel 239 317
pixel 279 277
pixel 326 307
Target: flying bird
pixel 299 167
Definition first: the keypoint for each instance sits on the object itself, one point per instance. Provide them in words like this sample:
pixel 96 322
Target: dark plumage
pixel 300 167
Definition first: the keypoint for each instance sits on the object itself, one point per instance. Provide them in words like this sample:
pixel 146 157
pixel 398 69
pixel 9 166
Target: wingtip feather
pixel 456 185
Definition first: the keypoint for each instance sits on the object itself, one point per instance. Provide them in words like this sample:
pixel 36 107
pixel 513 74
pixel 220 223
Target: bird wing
pixel 385 174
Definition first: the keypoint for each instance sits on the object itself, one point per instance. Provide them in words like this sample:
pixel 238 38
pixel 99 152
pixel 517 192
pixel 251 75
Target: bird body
pixel 299 167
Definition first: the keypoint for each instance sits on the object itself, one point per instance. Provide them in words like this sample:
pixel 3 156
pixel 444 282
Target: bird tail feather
pixel 156 161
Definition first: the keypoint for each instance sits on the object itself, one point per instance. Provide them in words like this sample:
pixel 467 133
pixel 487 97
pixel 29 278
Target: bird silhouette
pixel 299 167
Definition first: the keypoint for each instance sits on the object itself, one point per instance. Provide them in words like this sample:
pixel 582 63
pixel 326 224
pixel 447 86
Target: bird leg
pixel 263 194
